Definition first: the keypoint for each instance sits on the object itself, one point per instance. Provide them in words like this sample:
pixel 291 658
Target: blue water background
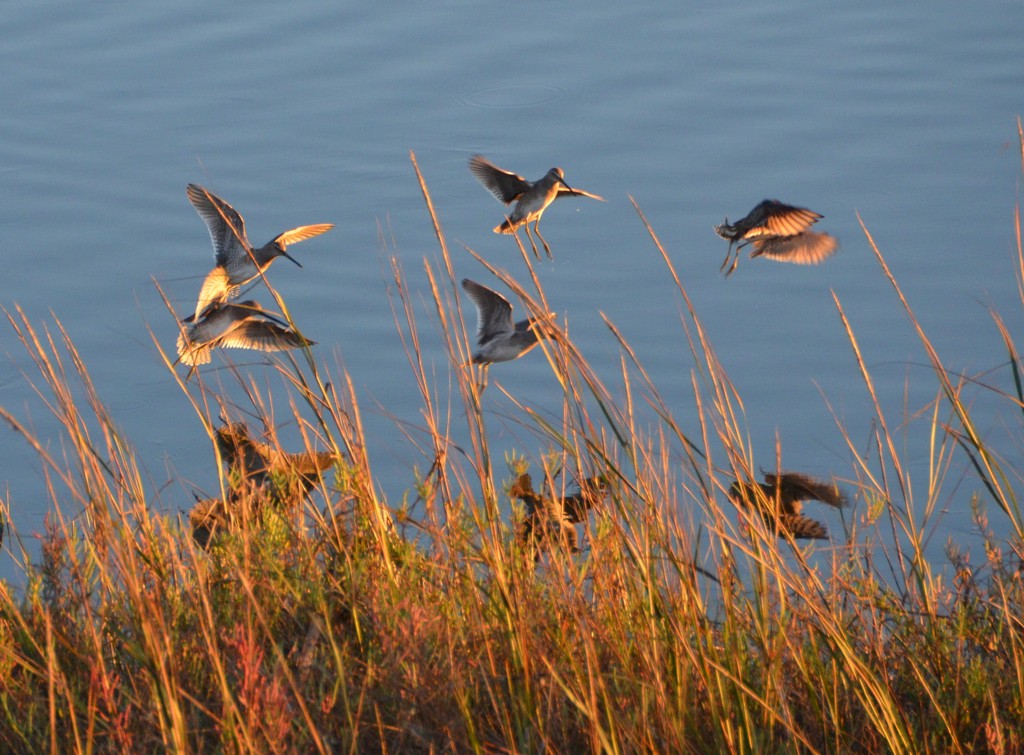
pixel 903 114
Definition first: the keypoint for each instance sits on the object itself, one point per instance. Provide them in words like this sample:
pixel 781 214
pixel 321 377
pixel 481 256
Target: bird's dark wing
pixel 494 313
pixel 800 487
pixel 507 187
pixel 226 227
pixel 774 218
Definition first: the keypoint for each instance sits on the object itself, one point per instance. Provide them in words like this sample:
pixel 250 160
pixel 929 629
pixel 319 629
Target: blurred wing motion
pixel 805 248
pixel 505 186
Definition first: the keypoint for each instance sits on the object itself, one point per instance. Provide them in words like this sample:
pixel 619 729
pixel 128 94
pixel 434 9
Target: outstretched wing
pixel 802 527
pixel 216 289
pixel 805 248
pixel 262 335
pixel 494 313
pixel 773 218
pixel 506 187
pixel 226 227
pixel 563 192
pixel 800 487
pixel 303 232
pixel 191 353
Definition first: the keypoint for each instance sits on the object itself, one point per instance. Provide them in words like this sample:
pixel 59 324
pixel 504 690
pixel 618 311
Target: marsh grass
pixel 345 622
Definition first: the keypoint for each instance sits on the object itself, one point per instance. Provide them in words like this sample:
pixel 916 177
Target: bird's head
pixel 558 175
pixel 543 326
pixel 281 251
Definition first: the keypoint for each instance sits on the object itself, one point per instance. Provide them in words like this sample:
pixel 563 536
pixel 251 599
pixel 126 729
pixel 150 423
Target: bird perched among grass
pixel 545 524
pixel 779 501
pixel 551 520
pixel 237 260
pixel 531 197
pixel 592 492
pixel 258 474
pixel 777 231
pixel 290 475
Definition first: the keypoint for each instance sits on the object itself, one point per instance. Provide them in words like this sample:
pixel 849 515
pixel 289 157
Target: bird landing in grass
pixel 259 474
pixel 237 260
pixel 779 501
pixel 498 338
pixel 531 197
pixel 777 231
pixel 235 326
pixel 592 493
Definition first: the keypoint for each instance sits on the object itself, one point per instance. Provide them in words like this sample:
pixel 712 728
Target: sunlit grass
pixel 316 615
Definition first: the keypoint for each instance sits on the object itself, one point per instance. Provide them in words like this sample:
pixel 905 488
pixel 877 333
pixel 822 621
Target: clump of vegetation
pixel 320 617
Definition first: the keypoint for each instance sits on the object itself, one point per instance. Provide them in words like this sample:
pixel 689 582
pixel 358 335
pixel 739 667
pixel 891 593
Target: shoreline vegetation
pixel 300 611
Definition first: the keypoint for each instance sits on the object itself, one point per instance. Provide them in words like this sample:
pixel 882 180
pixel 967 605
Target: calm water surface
pixel 302 114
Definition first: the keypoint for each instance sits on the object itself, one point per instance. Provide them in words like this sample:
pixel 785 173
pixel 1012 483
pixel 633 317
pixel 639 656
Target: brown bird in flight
pixel 777 231
pixel 531 197
pixel 779 500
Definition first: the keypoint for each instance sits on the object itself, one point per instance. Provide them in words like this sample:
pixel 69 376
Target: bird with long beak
pixel 498 338
pixel 289 476
pixel 777 231
pixel 235 326
pixel 237 260
pixel 779 501
pixel 550 521
pixel 531 197
pixel 546 524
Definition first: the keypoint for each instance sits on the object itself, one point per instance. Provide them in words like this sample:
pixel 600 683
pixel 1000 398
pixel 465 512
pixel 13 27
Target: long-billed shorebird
pixel 779 501
pixel 259 474
pixel 550 521
pixel 237 260
pixel 546 523
pixel 498 338
pixel 777 231
pixel 531 197
pixel 289 477
pixel 235 326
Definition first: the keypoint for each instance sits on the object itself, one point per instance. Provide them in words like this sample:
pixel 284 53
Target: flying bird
pixel 237 260
pixel 779 501
pixel 498 338
pixel 235 326
pixel 531 197
pixel 777 231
